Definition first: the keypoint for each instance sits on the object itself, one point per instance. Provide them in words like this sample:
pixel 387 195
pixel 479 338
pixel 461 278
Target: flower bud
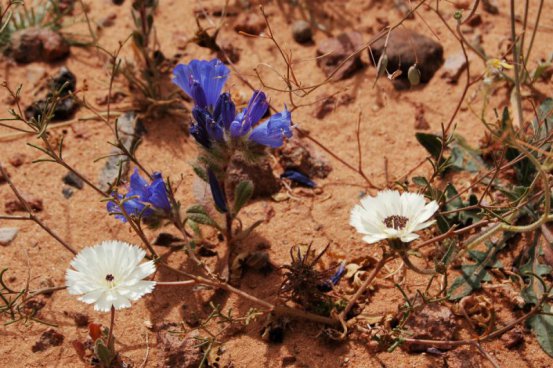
pixel 414 75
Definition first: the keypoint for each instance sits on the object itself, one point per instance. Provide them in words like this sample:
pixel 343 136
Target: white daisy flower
pixel 391 215
pixel 110 274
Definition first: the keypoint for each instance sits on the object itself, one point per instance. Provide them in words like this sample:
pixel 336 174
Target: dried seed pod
pixel 381 65
pixel 414 75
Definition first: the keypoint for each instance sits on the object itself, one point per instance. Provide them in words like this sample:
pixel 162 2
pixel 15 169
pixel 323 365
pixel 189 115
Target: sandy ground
pixel 387 133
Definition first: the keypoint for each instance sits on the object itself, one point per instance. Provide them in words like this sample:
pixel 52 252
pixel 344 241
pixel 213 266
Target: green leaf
pixel 198 214
pixel 103 354
pixel 242 194
pixel 464 157
pixel 542 327
pixel 473 275
pixel 200 171
pixel 431 142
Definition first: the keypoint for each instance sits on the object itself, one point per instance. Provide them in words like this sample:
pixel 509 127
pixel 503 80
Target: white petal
pixel 406 238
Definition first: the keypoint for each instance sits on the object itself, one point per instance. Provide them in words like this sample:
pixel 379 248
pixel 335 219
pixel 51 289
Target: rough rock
pixel 454 67
pixel 420 121
pixel 130 129
pixel 336 50
pixel 513 338
pixel 260 173
pixel 228 49
pixel 7 235
pixel 67 192
pixel 299 155
pixel 490 6
pixel 38 44
pixel 178 351
pixel 73 180
pixel 13 204
pixel 49 338
pixel 330 103
pixel 404 8
pixel 250 23
pixel 64 83
pixel 431 322
pixel 17 160
pixel 301 31
pixel 402 45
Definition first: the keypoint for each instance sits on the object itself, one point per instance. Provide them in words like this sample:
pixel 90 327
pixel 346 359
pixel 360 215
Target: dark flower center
pixel 109 277
pixel 395 222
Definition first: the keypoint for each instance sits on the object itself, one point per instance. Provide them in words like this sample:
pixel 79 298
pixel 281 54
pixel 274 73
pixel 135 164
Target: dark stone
pixel 230 50
pixel 73 180
pixel 513 338
pixel 63 84
pixel 38 44
pixel 475 20
pixel 490 6
pixel 13 204
pixel 118 2
pixel 336 50
pixel 401 55
pixel 49 338
pixel 259 172
pixel 166 239
pixel 67 192
pixel 17 160
pixel 66 79
pixel 81 320
pixel 298 155
pixel 301 31
pixel 250 23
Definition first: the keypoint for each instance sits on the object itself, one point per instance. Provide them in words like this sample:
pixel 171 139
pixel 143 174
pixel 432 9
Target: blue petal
pixel 200 134
pixel 198 94
pixel 138 186
pixel 224 110
pixel 210 75
pixel 339 273
pixel 217 192
pixel 298 177
pixel 158 194
pixel 203 118
pixel 272 132
pixel 257 107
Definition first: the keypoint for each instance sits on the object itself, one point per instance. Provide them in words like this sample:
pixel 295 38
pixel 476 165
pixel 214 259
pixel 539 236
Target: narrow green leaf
pixel 242 194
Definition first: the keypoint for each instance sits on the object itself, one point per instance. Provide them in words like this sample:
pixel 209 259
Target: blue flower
pixel 143 199
pixel 272 132
pixel 217 192
pixel 133 207
pixel 329 284
pixel 243 122
pixel 202 80
pixel 298 177
pixel 224 111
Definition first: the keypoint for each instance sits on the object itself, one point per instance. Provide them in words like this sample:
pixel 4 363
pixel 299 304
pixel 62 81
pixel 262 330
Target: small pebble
pixel 301 31
pixel 7 235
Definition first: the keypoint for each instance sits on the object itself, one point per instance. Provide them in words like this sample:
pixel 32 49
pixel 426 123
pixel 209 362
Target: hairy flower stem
pixel 365 285
pixel 405 257
pixel 111 323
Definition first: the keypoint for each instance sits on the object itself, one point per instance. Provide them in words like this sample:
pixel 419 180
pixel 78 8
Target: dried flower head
pixel 391 215
pixel 110 275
